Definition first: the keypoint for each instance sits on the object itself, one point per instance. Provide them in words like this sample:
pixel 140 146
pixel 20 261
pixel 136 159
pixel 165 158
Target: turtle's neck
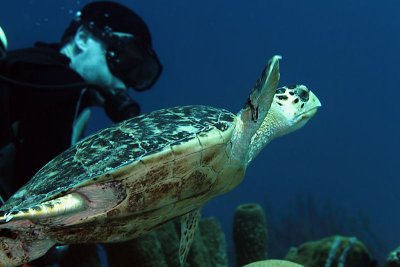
pixel 270 129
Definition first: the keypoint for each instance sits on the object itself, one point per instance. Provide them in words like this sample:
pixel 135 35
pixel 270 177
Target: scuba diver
pixel 3 48
pixel 46 90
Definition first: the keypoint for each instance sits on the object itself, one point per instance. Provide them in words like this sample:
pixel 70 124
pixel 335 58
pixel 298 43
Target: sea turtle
pixel 133 177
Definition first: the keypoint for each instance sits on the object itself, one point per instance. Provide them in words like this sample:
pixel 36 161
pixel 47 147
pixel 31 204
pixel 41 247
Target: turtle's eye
pixel 303 94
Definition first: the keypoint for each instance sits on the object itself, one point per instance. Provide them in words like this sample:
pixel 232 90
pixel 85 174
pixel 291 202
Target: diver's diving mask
pixel 132 61
pixel 130 55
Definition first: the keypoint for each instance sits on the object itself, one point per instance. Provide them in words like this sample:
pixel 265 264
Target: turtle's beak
pixel 310 108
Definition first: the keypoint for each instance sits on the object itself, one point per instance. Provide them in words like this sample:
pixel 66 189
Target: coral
pixel 249 234
pixel 335 251
pixel 393 259
pixel 273 263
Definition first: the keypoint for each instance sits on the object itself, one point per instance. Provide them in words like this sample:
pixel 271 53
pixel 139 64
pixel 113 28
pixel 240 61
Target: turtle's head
pixel 292 107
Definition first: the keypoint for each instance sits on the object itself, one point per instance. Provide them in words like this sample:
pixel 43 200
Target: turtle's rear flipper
pixel 22 241
pixel 189 223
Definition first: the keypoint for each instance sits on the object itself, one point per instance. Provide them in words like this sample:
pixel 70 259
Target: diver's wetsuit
pixel 45 114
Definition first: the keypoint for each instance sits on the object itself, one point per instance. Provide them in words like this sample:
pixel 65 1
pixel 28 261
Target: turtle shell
pixel 93 159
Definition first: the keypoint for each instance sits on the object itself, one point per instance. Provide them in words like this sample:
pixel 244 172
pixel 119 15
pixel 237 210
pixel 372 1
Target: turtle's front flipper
pixel 69 203
pixel 256 109
pixel 189 223
pixel 262 94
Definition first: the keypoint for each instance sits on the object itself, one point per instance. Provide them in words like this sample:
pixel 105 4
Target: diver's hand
pixel 120 106
pixel 97 98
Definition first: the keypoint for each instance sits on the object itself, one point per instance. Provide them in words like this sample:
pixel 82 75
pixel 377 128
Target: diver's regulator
pixel 3 43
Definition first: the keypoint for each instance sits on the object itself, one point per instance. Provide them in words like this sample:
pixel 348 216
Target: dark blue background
pixel 212 52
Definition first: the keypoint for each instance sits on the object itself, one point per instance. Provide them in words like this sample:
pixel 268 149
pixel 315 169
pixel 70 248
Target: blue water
pixel 346 52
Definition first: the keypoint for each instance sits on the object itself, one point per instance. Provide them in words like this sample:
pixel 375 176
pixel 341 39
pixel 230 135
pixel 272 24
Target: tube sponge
pixel 249 234
pixel 214 240
pixel 169 239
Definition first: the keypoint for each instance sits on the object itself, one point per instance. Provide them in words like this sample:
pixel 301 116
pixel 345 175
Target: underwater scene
pixel 324 193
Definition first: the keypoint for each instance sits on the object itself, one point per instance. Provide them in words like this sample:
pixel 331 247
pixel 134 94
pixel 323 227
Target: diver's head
pixel 127 45
pixel 88 58
pixel 3 43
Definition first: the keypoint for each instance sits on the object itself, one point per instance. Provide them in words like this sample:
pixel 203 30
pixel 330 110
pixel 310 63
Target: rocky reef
pixel 209 249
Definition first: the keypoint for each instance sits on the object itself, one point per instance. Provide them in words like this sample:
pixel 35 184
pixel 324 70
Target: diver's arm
pixel 3 43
